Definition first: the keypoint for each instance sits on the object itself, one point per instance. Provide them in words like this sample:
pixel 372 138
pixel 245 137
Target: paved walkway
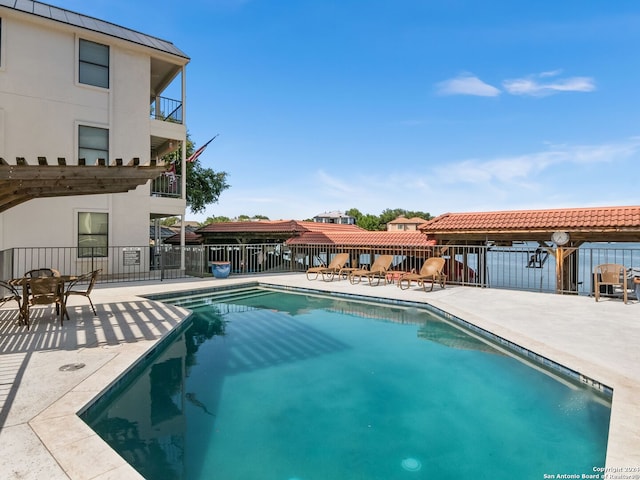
pixel 42 437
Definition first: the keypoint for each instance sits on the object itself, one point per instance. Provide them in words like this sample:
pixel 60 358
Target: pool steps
pixel 207 298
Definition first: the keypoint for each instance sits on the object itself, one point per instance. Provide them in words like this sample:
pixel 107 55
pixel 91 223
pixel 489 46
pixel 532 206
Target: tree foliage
pixel 240 218
pixel 215 219
pixel 379 222
pixel 204 185
pixel 169 221
pixel 370 222
pixel 389 214
pixel 355 213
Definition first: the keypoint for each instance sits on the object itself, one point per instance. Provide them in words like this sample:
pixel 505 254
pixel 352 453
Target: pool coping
pixel 59 444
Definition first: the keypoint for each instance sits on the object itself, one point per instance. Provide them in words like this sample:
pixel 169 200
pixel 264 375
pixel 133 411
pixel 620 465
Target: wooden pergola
pixel 22 182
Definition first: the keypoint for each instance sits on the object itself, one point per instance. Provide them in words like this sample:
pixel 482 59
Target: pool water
pixel 283 386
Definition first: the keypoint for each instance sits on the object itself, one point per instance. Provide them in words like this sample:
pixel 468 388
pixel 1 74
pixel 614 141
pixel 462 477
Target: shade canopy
pixel 576 226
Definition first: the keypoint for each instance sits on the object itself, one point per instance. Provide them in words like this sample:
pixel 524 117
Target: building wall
pixel 41 106
pixel 402 227
pixel 341 219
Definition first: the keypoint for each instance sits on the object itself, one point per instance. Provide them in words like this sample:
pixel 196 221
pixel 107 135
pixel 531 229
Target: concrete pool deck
pixel 42 437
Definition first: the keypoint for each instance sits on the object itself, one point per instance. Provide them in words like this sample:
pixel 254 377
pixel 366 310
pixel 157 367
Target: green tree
pixel 370 222
pixel 355 213
pixel 374 222
pixel 366 221
pixel 215 219
pixel 389 214
pixel 204 185
pixel 419 214
pixel 169 221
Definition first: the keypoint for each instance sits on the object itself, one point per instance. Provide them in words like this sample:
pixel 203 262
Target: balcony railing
pixel 167 110
pixel 167 185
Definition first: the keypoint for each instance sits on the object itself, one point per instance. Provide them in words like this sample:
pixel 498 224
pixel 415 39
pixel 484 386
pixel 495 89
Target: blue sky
pixel 438 106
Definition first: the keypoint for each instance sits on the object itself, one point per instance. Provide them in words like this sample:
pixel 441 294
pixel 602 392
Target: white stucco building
pixel 78 90
pixel 334 216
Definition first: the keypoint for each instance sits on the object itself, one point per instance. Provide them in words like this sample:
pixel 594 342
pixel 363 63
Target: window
pixel 94 64
pixel 93 234
pixel 93 143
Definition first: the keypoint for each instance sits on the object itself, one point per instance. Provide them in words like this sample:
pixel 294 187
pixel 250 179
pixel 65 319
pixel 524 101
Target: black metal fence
pixel 520 267
pixel 128 263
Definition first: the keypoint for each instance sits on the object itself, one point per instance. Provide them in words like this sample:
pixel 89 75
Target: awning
pixel 22 182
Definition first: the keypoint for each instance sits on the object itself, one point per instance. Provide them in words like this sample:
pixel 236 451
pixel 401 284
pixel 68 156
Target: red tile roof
pixel 413 220
pixel 560 219
pixel 362 238
pixel 190 238
pixel 276 226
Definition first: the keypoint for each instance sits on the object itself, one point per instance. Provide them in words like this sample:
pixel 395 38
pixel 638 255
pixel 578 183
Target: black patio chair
pixel 90 280
pixel 10 293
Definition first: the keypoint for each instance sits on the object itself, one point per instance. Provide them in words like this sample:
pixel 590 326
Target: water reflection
pixel 146 424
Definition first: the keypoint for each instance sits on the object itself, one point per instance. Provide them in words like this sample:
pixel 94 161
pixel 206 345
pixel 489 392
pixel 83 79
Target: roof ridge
pixel 38 8
pixel 560 209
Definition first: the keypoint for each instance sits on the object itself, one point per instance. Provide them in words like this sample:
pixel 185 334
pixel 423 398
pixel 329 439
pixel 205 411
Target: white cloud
pixel 467 84
pixel 523 168
pixel 550 73
pixel 531 85
pixel 557 175
pixel 335 184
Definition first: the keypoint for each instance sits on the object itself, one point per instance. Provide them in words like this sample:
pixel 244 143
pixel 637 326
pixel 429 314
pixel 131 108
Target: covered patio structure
pixel 558 233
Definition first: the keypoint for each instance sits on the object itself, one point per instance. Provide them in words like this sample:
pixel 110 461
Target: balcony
pixel 167 185
pixel 167 110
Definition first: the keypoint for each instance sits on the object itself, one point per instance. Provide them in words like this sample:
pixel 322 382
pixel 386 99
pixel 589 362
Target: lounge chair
pixel 90 280
pixel 612 275
pixel 10 293
pixel 431 271
pixel 378 270
pixel 336 265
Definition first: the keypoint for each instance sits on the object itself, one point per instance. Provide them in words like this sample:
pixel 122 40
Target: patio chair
pixel 90 280
pixel 378 271
pixel 431 272
pixel 612 275
pixel 335 266
pixel 46 291
pixel 42 272
pixel 10 293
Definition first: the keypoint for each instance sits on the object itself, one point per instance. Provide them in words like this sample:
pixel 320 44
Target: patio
pixel 41 436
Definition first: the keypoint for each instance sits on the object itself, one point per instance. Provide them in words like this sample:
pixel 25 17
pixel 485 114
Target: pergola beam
pixel 22 182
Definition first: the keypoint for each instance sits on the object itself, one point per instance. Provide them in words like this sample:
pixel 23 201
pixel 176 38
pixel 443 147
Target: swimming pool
pixel 276 385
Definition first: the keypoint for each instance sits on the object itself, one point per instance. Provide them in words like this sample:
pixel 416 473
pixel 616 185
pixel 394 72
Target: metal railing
pixel 167 110
pixel 521 267
pixel 167 185
pixel 125 263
